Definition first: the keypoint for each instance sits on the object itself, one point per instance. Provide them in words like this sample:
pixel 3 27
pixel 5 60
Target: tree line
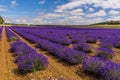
pixel 1 20
pixel 111 22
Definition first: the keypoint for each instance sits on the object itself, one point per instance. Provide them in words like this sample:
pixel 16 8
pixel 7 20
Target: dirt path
pixel 7 65
pixel 3 66
pixel 116 58
pixel 55 69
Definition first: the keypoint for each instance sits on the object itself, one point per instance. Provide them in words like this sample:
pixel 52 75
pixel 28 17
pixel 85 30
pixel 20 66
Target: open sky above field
pixel 59 11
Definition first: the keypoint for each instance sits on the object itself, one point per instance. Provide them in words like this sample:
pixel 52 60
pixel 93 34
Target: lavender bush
pixel 111 71
pixel 105 53
pixel 32 62
pixel 91 39
pixel 14 44
pixel 11 36
pixel 1 32
pixel 94 65
pixel 117 44
pixel 28 59
pixel 83 47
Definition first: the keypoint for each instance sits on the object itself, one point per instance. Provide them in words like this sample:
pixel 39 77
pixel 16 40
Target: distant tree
pixel 1 20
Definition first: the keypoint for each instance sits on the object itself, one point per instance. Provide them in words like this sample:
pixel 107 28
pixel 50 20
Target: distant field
pixel 70 26
pixel 79 26
pixel 106 26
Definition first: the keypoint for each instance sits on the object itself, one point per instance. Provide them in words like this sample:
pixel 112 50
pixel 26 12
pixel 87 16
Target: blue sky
pixel 59 11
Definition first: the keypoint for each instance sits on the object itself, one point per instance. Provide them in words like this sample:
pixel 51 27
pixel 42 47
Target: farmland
pixel 59 53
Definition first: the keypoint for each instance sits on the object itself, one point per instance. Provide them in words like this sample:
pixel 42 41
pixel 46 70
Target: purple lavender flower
pixel 83 47
pixel 117 44
pixel 14 45
pixel 23 50
pixel 94 65
pixel 107 43
pixel 28 59
pixel 111 71
pixel 11 36
pixel 105 53
pixel 32 62
pixel 91 39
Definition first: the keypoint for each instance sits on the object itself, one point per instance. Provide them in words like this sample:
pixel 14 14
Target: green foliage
pixel 79 58
pixel 111 22
pixel 37 65
pixel 1 20
pixel 13 39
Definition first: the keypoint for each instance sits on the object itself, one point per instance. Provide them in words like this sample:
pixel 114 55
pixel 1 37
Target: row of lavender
pixel 79 38
pixel 101 66
pixel 11 36
pixel 1 32
pixel 27 59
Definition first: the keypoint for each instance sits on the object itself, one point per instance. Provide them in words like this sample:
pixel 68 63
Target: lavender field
pixel 61 53
pixel 60 40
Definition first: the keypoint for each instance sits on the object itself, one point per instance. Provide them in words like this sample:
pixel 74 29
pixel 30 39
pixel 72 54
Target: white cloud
pixel 13 3
pixel 77 10
pixel 74 12
pixel 113 18
pixel 42 2
pixel 16 20
pixel 71 17
pixel 96 3
pixel 70 5
pixel 56 18
pixel 114 12
pixel 91 9
pixel 3 8
pixel 97 14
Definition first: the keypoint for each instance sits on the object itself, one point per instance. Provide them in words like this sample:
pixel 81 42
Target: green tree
pixel 1 20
